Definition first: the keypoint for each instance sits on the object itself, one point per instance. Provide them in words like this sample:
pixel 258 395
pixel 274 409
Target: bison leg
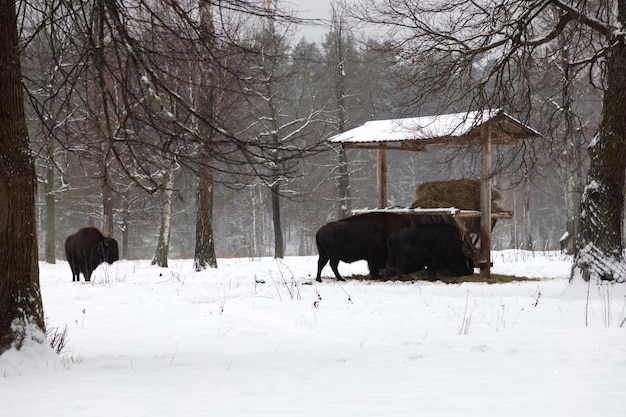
pixel 432 269
pixel 374 270
pixel 75 272
pixel 390 271
pixel 334 263
pixel 321 262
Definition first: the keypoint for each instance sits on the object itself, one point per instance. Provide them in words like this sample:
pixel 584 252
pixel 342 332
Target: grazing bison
pixel 88 248
pixel 432 246
pixel 363 236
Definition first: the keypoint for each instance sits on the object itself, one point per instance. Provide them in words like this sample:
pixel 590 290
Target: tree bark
pixel 21 310
pixel 573 158
pixel 125 226
pixel 343 182
pixel 50 253
pixel 163 245
pixel 599 240
pixel 528 226
pixel 279 245
pixel 205 246
pixel 107 205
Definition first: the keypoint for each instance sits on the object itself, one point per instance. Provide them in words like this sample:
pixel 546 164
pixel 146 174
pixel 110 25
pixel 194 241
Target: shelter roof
pixel 449 129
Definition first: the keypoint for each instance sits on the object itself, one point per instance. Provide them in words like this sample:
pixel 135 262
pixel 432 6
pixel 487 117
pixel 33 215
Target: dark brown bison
pixel 432 246
pixel 88 248
pixel 363 236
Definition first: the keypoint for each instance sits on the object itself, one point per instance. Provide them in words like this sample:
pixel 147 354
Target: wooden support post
pixel 381 178
pixel 485 202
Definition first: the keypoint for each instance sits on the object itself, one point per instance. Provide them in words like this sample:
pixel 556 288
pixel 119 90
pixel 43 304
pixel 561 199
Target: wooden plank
pixel 448 211
pixel 485 203
pixel 381 178
pixel 424 144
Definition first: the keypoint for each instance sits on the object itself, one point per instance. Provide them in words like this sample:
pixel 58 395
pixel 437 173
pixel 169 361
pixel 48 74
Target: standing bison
pixel 88 248
pixel 432 246
pixel 363 236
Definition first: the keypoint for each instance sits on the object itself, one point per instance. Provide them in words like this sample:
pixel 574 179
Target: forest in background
pixel 338 84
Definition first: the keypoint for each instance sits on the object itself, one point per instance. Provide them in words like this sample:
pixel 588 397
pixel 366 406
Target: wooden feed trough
pixel 477 128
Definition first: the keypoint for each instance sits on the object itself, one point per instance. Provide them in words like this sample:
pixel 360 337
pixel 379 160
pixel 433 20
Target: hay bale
pixel 462 194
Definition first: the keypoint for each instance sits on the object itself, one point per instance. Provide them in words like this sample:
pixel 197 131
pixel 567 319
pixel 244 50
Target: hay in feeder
pixel 462 194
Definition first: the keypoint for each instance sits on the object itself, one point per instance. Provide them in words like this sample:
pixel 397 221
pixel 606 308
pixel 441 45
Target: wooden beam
pixel 381 178
pixel 485 202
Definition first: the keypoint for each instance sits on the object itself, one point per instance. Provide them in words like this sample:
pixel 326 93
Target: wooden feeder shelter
pixel 477 128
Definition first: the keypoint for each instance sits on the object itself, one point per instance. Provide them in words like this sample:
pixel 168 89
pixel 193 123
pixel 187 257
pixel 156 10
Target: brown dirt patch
pixel 445 278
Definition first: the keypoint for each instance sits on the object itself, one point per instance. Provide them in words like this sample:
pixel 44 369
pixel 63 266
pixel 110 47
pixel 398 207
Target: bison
pixel 363 236
pixel 432 246
pixel 88 248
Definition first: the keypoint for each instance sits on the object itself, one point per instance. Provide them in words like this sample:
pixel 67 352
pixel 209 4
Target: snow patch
pixel 259 337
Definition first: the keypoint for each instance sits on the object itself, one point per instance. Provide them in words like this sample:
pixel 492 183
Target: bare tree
pixel 490 48
pixel 338 38
pixel 279 113
pixel 116 88
pixel 205 244
pixel 133 107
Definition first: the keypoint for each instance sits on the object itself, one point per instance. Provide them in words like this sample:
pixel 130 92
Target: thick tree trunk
pixel 21 311
pixel 205 246
pixel 599 240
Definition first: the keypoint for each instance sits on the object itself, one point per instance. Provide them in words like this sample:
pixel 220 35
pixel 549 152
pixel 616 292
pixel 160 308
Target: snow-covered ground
pixel 259 337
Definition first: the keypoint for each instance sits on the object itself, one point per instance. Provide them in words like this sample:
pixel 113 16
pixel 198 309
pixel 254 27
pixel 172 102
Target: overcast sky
pixel 311 9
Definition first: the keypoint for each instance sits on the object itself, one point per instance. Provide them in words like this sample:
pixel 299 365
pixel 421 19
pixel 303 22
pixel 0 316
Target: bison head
pixel 111 252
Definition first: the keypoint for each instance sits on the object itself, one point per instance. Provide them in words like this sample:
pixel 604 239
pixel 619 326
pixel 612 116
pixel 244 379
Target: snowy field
pixel 261 338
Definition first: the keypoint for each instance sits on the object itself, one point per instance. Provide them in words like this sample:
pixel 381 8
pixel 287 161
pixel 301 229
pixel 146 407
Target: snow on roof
pixel 418 128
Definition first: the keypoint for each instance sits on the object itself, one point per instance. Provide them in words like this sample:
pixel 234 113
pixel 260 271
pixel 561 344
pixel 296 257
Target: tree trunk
pixel 205 246
pixel 599 240
pixel 573 158
pixel 21 310
pixel 345 197
pixel 279 245
pixel 163 245
pixel 107 205
pixel 50 254
pixel 528 229
pixel 125 226
pixel 343 183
